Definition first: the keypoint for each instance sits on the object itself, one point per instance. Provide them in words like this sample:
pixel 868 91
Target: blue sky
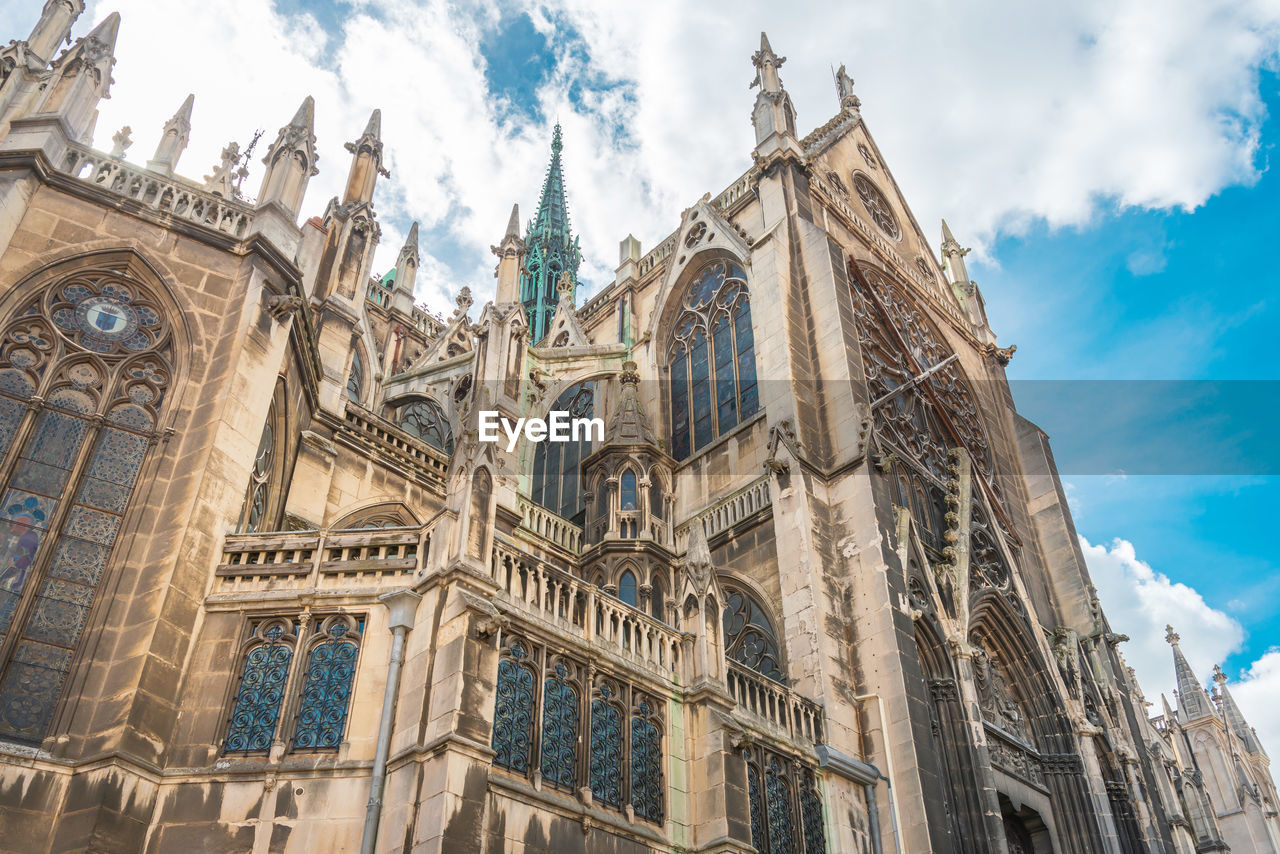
pixel 1109 160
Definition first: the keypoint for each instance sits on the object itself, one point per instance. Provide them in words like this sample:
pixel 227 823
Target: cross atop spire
pixel 552 249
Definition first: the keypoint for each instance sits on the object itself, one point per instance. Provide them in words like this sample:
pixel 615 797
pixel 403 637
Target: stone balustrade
pixel 550 526
pixel 158 193
pixel 379 435
pixel 728 511
pixel 561 598
pixel 800 718
pixel 294 559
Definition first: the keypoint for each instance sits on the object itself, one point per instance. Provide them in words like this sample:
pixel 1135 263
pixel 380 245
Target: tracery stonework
pixel 263 587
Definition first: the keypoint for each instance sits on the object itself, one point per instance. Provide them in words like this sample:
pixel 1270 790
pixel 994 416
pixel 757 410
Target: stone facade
pixel 265 589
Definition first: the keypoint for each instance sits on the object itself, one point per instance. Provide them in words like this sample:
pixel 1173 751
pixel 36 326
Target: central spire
pixel 551 249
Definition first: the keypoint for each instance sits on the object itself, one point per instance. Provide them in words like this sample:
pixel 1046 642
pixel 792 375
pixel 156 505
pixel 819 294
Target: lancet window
pixel 750 638
pixel 711 357
pixel 580 729
pixel 426 419
pixel 85 368
pixel 355 380
pixel 785 806
pixel 269 686
pixel 557 466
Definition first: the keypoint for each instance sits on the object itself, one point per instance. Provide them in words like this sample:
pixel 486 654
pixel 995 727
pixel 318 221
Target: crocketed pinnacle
pixel 551 248
pixel 1193 700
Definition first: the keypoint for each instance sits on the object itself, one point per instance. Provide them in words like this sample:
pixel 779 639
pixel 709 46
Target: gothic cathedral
pixel 816 590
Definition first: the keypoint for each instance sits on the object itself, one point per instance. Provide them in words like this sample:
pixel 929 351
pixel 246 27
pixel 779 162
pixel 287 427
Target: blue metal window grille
pixel 756 800
pixel 513 711
pixel 256 710
pixel 778 804
pixel 646 765
pixel 326 694
pixel 712 359
pixel 606 748
pixel 559 730
pixel 815 837
pixel 426 420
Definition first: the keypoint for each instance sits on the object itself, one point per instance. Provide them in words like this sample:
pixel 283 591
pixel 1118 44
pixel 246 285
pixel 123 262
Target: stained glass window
pixel 559 729
pixel 426 420
pixel 74 432
pixel 557 466
pixel 646 764
pixel 749 635
pixel 326 693
pixel 513 710
pixel 355 380
pixel 627 590
pixel 712 359
pixel 606 747
pixel 255 713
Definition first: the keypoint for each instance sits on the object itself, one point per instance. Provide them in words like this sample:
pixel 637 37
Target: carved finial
pixel 221 182
pixel 767 64
pixel 1170 636
pixel 1218 675
pixel 556 144
pixel 464 301
pixel 564 287
pixel 630 373
pixel 120 142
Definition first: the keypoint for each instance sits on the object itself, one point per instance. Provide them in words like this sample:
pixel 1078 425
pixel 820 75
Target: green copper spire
pixel 551 250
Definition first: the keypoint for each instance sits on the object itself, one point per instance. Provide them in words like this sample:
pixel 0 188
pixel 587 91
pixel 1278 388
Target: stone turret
pixel 174 139
pixel 1234 717
pixel 551 249
pixel 81 77
pixel 366 162
pixel 773 115
pixel 406 272
pixel 510 253
pixel 291 162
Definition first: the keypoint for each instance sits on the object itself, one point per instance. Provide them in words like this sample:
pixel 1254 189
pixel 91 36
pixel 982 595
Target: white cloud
pixel 1140 602
pixel 994 113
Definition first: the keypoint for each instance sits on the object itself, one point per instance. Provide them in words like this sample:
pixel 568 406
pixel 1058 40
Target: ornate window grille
pixel 513 714
pixel 255 712
pixel 560 714
pixel 85 366
pixel 786 808
pixel 557 466
pixel 646 763
pixel 425 419
pixel 326 692
pixel 606 747
pixel 712 359
pixel 621 753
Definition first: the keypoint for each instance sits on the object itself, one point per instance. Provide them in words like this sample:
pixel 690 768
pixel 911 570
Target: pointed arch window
pixel 627 588
pixel 606 747
pixel 750 638
pixel 646 763
pixel 711 357
pixel 560 728
pixel 257 514
pixel 326 692
pixel 355 380
pixel 85 367
pixel 255 712
pixel 627 493
pixel 513 711
pixel 427 420
pixel 557 466
pixel 786 809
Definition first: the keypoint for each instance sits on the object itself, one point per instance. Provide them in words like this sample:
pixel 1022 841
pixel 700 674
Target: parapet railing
pixel 397 444
pixel 761 697
pixel 305 558
pixel 570 603
pixel 728 511
pixel 550 526
pixel 161 194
